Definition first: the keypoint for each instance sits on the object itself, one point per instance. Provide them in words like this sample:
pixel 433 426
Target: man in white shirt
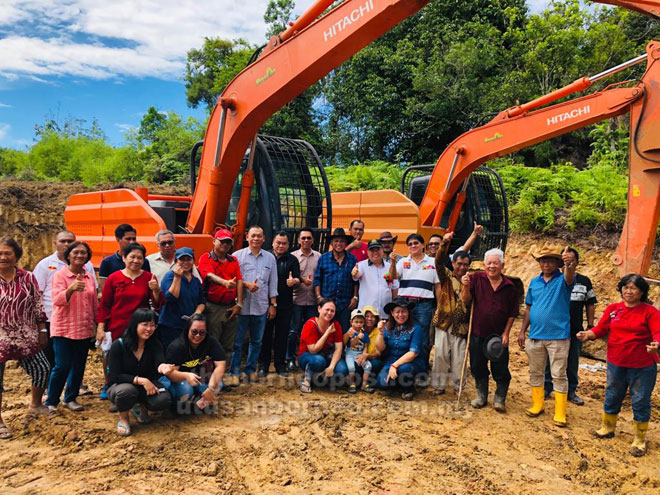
pixel 377 288
pixel 163 261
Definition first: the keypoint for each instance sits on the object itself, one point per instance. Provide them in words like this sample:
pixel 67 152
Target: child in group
pixel 355 342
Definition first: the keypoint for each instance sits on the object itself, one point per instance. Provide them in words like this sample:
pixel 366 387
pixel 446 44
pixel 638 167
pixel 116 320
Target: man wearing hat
pixel 388 242
pixel 333 279
pixel 183 296
pixel 377 287
pixel 223 283
pixel 549 319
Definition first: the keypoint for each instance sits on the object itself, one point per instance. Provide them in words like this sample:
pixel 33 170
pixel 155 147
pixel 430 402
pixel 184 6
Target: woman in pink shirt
pixel 75 305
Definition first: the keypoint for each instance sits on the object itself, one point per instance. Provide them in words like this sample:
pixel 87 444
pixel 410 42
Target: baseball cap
pixel 184 251
pixel 221 234
pixel 355 313
pixel 375 243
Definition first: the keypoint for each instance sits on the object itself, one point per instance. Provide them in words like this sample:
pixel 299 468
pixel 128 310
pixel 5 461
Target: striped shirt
pixel 74 319
pixel 417 280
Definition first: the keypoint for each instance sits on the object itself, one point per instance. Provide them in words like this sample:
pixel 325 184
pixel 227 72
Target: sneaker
pixel 576 399
pixel 261 373
pixel 283 373
pixel 104 392
pixel 73 406
pixel 291 365
pixel 84 390
pixel 231 381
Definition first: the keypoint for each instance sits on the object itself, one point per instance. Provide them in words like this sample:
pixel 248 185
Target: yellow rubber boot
pixel 607 426
pixel 538 396
pixel 560 409
pixel 638 448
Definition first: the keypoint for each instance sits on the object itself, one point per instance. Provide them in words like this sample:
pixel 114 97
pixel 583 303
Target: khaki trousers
pixel 538 351
pixel 220 326
pixel 447 359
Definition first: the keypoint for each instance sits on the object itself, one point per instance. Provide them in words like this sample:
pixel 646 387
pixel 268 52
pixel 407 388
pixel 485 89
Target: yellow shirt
pixel 371 346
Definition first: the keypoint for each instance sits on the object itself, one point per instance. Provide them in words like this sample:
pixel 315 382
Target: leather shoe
pixel 253 377
pixel 576 399
pixel 261 373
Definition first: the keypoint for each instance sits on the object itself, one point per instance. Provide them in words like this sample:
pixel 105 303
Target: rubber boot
pixel 499 402
pixel 560 409
pixel 607 426
pixel 638 448
pixel 538 396
pixel 482 394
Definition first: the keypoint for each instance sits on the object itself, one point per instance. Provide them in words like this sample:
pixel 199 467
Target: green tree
pixel 278 15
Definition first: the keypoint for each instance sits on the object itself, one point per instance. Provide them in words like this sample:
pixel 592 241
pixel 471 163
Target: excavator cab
pixel 485 204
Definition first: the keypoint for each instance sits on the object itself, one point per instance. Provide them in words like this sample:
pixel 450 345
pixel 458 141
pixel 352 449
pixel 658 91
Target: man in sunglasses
pixel 164 260
pixel 224 292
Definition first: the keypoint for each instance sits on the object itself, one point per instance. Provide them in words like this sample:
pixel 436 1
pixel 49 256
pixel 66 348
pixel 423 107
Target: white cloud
pixel 4 105
pixel 103 40
pixel 4 130
pixel 126 127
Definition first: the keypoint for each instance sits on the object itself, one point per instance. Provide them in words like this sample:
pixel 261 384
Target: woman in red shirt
pixel 125 291
pixel 632 354
pixel 321 343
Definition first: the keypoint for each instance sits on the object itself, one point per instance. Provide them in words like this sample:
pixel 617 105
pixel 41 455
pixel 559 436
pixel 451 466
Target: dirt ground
pixel 270 438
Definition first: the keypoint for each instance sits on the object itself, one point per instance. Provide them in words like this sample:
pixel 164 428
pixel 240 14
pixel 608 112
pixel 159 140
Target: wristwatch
pixel 273 304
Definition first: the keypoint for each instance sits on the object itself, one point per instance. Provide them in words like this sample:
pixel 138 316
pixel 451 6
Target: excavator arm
pixel 302 55
pixel 525 125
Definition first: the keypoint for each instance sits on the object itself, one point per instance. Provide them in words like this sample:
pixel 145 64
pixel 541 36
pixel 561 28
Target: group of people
pixel 359 316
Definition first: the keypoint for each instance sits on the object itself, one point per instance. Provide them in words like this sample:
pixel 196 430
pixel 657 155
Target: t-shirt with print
pixel 582 295
pixel 181 353
pixel 357 345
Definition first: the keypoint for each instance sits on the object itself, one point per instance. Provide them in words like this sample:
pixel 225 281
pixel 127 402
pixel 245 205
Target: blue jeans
pixel 183 389
pixel 640 382
pixel 299 316
pixel 351 365
pixel 314 364
pixel 422 313
pixel 70 361
pixel 405 375
pixel 255 325
pixel 571 367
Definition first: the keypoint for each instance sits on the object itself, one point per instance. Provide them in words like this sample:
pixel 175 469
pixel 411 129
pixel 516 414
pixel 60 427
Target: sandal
pixel 123 429
pixel 368 389
pixel 5 433
pixel 352 388
pixel 407 396
pixel 139 417
pixel 306 387
pixel 42 410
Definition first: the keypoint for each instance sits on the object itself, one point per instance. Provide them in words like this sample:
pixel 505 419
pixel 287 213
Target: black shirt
pixel 124 366
pixel 114 263
pixel 181 354
pixel 287 263
pixel 583 295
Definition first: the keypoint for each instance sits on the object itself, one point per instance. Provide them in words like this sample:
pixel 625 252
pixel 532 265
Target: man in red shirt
pixel 357 248
pixel 224 289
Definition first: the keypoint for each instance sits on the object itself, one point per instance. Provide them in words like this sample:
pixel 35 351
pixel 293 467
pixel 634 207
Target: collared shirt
pixel 74 319
pixel 191 295
pixel 44 272
pixel 417 279
pixel 263 269
pixel 401 339
pixel 286 264
pixel 114 263
pixel 549 315
pixel 376 285
pixel 583 295
pixel 226 270
pixel 335 279
pixel 160 266
pixel 492 308
pixel 303 295
pixel 360 253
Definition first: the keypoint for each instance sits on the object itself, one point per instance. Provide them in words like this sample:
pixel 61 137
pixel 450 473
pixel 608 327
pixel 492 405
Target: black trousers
pixel 479 362
pixel 126 395
pixel 275 339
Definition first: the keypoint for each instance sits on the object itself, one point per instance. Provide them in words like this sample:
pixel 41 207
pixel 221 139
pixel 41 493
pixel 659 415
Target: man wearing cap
pixel 494 307
pixel 184 296
pixel 277 329
pixel 224 292
pixel 548 314
pixel 377 287
pixel 450 319
pixel 164 260
pixel 357 247
pixel 333 279
pixel 304 301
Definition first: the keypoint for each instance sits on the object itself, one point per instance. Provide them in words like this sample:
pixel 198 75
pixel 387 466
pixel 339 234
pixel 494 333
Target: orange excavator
pixel 310 48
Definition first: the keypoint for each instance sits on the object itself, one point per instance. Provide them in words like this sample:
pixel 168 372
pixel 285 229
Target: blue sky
pixel 109 60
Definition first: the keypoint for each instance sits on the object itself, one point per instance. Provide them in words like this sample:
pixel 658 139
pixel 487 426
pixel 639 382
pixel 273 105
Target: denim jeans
pixel 405 375
pixel 183 389
pixel 314 364
pixel 640 382
pixel 352 365
pixel 422 313
pixel 255 325
pixel 571 367
pixel 299 316
pixel 70 361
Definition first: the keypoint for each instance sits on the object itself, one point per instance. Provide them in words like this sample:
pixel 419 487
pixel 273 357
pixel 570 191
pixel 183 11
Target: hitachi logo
pixel 354 16
pixel 569 115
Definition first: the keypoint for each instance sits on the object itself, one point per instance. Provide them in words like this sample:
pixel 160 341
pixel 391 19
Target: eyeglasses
pixel 434 243
pixel 167 243
pixel 198 333
pixel 414 243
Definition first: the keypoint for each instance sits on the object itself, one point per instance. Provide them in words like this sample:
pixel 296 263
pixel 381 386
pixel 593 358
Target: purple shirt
pixel 492 308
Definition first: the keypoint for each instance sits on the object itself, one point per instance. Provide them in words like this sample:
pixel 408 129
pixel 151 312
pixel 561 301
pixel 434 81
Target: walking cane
pixel 467 350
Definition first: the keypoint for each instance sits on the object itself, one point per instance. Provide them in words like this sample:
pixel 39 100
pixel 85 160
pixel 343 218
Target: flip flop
pixel 143 420
pixel 123 429
pixel 306 388
pixel 42 410
pixel 5 433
